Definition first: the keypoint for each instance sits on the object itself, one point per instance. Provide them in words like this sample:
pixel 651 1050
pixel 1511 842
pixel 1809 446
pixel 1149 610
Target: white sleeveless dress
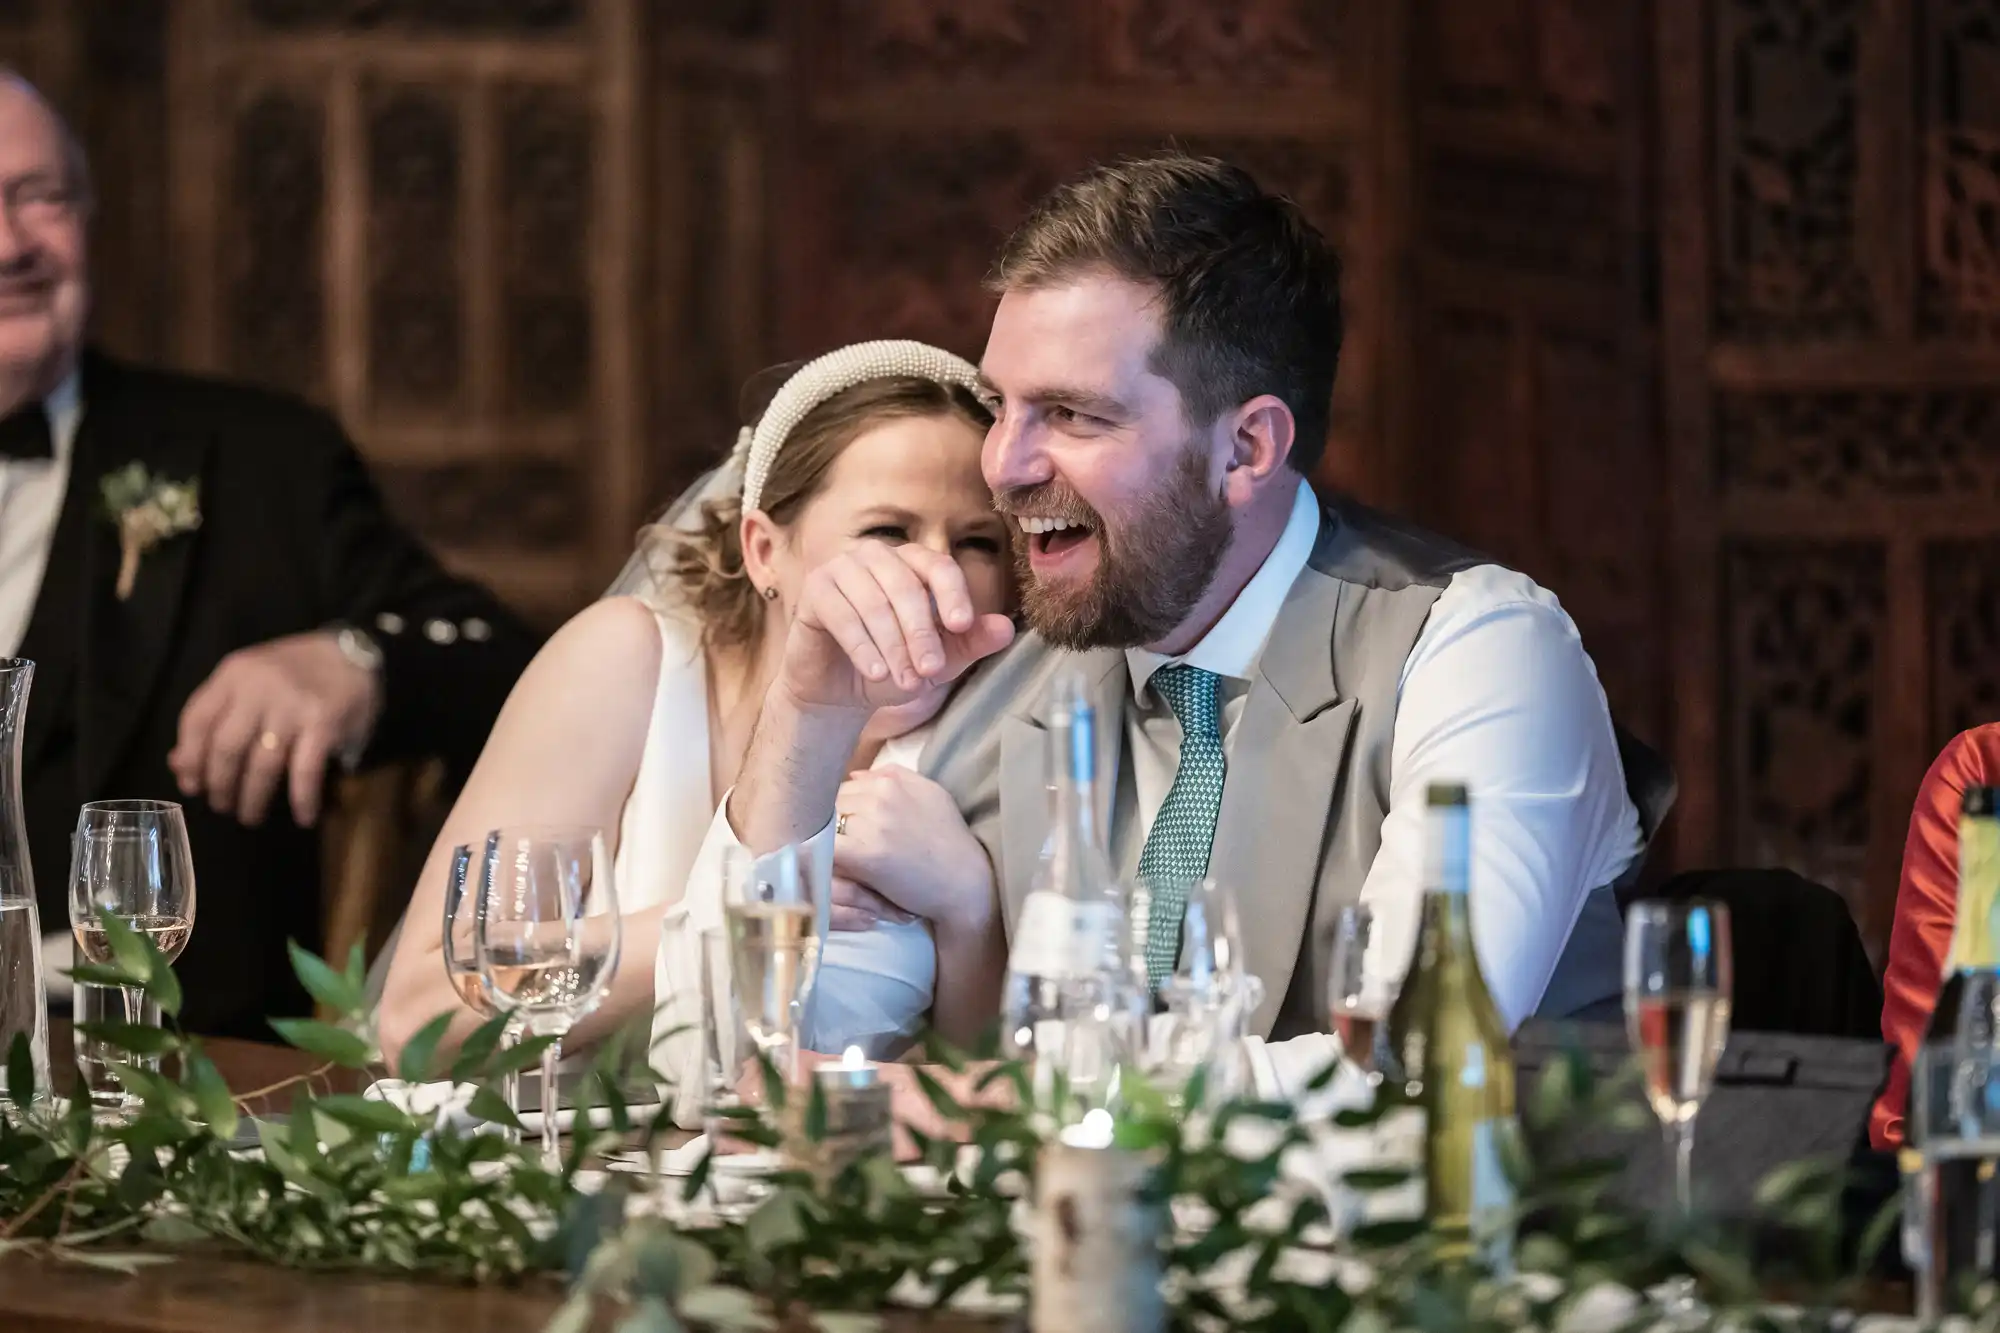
pixel 874 986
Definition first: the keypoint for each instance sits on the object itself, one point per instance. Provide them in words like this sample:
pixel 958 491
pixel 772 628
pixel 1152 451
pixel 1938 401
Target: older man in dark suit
pixel 220 608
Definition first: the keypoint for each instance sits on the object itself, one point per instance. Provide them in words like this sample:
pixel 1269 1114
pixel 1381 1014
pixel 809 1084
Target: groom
pixel 1279 674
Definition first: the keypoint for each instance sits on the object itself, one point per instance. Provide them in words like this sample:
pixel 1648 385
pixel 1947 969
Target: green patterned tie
pixel 1176 851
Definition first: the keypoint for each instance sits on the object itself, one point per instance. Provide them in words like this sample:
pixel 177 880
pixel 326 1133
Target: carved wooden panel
pixel 1806 629
pixel 276 310
pixel 1964 599
pixel 1786 162
pixel 523 16
pixel 1528 382
pixel 1261 43
pixel 543 504
pixel 423 216
pixel 1524 215
pixel 1960 289
pixel 1860 443
pixel 1829 286
pixel 545 200
pixel 864 42
pixel 416 278
pixel 1557 59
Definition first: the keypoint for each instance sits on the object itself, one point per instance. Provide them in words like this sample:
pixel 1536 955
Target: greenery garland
pixel 353 1183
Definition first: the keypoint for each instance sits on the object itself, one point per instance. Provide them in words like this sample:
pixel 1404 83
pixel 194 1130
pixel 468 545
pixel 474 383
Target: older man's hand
pixel 279 710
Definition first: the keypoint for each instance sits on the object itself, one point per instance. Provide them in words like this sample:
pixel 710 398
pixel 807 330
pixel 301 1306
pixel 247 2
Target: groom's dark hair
pixel 1250 290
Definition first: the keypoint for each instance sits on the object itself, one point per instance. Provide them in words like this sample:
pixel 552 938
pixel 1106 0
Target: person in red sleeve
pixel 1926 905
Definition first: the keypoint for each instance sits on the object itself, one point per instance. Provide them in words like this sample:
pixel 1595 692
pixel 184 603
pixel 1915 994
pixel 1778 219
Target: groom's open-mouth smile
pixel 1058 547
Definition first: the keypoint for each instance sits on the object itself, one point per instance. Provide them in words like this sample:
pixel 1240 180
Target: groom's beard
pixel 1152 567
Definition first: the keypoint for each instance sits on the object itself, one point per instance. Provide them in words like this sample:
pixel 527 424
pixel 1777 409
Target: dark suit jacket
pixel 293 538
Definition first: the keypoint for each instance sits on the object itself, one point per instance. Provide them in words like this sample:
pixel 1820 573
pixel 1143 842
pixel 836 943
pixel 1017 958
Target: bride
pixel 877 442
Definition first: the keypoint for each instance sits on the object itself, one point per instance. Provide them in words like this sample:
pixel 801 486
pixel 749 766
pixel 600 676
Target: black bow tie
pixel 25 435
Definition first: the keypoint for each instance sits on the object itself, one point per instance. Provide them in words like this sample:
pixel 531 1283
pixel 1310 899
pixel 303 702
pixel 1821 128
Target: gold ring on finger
pixel 840 826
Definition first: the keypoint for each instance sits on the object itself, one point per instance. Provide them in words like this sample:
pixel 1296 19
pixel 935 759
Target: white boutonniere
pixel 148 510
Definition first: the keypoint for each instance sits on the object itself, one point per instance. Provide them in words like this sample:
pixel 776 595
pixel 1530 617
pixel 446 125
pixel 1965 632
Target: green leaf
pixel 488 1104
pixel 129 949
pixel 474 1050
pixel 649 1315
pixel 338 991
pixel 368 1115
pixel 159 1094
pixel 778 1222
pixel 211 1095
pixel 136 1038
pixel 815 1121
pixel 127 1264
pixel 415 1065
pixel 280 1156
pixel 20 1071
pixel 163 986
pixel 1376 1179
pixel 97 974
pixel 523 1055
pixel 168 1229
pixel 574 1316
pixel 939 1096
pixel 347 1049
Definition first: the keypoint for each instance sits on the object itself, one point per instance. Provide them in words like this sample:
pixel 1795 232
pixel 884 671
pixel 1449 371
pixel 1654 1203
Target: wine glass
pixel 775 931
pixel 461 959
pixel 1205 1006
pixel 130 859
pixel 547 936
pixel 1356 1003
pixel 1678 979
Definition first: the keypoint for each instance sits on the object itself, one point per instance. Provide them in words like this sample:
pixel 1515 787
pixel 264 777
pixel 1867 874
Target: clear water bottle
pixel 1067 1010
pixel 24 1007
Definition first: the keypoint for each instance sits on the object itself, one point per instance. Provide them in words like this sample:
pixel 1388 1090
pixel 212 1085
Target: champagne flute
pixel 1356 1003
pixel 547 937
pixel 1207 1003
pixel 1678 978
pixel 775 931
pixel 461 961
pixel 130 859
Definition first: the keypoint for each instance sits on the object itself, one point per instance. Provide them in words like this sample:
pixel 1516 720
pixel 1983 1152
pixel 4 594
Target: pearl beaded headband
pixel 822 378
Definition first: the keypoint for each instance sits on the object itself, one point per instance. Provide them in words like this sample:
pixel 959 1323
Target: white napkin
pixel 447 1103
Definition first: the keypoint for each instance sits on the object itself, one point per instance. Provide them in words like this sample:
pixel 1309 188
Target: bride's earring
pixel 769 594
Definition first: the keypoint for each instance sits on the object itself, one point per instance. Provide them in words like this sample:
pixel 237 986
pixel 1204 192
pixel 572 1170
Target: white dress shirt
pixel 1498 694
pixel 31 497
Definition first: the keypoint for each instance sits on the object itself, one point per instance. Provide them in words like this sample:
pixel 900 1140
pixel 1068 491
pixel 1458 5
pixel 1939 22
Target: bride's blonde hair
pixel 700 566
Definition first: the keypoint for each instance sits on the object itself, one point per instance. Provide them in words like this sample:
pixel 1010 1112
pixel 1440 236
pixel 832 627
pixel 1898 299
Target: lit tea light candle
pixel 853 1071
pixel 1093 1131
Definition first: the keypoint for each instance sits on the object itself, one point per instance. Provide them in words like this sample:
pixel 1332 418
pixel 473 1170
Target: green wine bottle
pixel 1451 1053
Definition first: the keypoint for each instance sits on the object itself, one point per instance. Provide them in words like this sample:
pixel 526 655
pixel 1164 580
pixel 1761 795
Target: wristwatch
pixel 359 647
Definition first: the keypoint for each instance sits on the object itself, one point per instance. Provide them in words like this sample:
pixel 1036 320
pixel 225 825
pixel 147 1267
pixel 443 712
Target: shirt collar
pixel 65 411
pixel 1231 648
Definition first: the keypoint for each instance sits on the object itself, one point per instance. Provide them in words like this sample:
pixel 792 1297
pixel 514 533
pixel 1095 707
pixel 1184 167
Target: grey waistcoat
pixel 1308 781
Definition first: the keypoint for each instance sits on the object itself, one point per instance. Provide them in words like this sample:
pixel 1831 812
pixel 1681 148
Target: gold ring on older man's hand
pixel 271 741
pixel 840 826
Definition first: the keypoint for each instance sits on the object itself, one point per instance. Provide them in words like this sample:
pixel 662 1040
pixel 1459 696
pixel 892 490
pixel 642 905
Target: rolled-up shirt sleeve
pixel 1499 694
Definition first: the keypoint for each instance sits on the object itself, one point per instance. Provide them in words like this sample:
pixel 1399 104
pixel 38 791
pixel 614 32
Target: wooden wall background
pixel 1691 308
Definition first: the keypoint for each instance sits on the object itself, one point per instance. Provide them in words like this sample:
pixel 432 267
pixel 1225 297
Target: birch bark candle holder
pixel 1095 1259
pixel 857 1117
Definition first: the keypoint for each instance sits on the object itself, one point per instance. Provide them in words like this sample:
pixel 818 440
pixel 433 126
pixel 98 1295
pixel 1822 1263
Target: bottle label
pixel 1975 941
pixel 1061 937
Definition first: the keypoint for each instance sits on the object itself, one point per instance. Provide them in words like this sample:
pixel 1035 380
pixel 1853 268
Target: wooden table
pixel 216 1292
